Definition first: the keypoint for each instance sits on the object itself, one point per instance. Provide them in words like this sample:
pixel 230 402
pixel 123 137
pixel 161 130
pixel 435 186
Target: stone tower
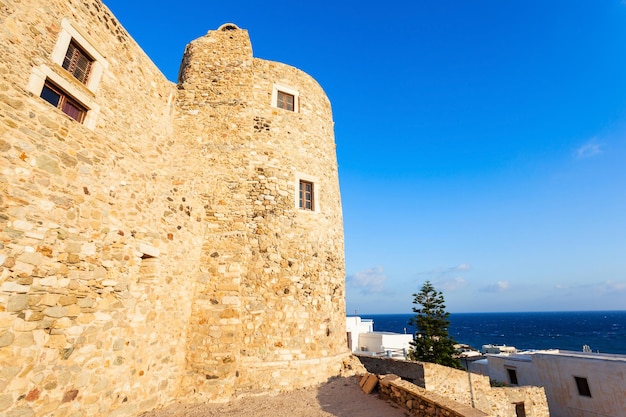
pixel 269 309
pixel 159 242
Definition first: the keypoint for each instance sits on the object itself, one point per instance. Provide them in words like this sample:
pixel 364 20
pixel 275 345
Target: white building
pixel 355 325
pixel 496 349
pixel 577 384
pixel 363 339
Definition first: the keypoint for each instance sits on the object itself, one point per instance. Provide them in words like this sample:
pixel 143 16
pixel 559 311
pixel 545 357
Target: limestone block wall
pixel 475 390
pixel 270 315
pixel 156 251
pixel 423 403
pixel 469 389
pixel 98 226
pixel 407 370
pixel 503 400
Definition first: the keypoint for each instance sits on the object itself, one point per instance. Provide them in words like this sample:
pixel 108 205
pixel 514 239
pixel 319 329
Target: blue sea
pixel 603 331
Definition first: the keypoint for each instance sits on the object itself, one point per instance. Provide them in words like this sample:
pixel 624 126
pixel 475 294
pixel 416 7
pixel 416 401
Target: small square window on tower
pixel 285 98
pixel 285 101
pixel 307 195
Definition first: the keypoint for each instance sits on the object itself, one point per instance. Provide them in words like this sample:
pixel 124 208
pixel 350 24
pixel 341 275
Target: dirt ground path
pixel 339 397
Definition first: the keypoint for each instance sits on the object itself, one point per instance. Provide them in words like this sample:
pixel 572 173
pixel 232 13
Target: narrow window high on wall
pixel 583 386
pixel 286 98
pixel 74 54
pixel 307 196
pixel 77 62
pixel 59 99
pixel 285 101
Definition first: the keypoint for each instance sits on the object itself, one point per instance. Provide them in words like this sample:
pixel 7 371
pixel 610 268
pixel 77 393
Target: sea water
pixel 602 331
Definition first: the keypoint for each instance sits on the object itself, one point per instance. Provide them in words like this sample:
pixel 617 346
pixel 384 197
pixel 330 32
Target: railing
pixel 393 352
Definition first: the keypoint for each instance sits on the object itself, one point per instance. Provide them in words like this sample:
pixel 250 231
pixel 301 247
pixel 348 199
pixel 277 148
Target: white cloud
pixel 441 272
pixel 451 284
pixel 370 281
pixel 613 287
pixel 588 150
pixel 447 279
pixel 606 287
pixel 500 286
pixel 466 267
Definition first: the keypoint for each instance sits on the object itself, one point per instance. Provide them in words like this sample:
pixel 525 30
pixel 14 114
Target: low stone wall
pixel 533 398
pixel 460 387
pixel 421 402
pixel 409 371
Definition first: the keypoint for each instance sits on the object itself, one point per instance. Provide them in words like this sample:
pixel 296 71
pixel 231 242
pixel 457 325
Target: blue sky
pixel 481 144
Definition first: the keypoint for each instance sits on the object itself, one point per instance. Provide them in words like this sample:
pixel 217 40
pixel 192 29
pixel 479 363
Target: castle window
pixel 285 101
pixel 77 62
pixel 74 54
pixel 286 98
pixel 583 386
pixel 307 195
pixel 61 100
pixel 520 410
pixel 512 373
pixel 228 26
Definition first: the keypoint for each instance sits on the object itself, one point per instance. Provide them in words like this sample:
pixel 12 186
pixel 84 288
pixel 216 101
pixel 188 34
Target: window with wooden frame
pixel 77 62
pixel 285 97
pixel 285 101
pixel 583 386
pixel 74 53
pixel 307 195
pixel 64 102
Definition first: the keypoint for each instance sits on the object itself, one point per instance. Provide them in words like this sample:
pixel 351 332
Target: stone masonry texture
pixel 160 254
pixel 458 386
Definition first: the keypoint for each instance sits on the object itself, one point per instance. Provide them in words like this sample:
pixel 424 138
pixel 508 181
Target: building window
pixel 286 98
pixel 285 101
pixel 77 62
pixel 74 52
pixel 520 410
pixel 61 100
pixel 307 195
pixel 583 386
pixel 512 376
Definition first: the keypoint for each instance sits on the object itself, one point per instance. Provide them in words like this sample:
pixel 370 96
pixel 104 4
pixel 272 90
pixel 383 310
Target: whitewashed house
pixel 363 339
pixel 577 384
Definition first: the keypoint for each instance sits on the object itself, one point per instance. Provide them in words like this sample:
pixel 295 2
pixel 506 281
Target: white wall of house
pixel 501 368
pixel 605 376
pixel 354 327
pixel 558 372
pixel 384 341
pixel 362 338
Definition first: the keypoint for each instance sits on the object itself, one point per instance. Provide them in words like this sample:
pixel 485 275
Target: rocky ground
pixel 339 397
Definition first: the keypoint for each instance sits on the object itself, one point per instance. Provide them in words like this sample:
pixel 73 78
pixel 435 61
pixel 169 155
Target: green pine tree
pixel 431 342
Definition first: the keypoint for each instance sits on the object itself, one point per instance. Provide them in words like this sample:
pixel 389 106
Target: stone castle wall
pixel 470 390
pixel 275 286
pixel 159 254
pixel 422 402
